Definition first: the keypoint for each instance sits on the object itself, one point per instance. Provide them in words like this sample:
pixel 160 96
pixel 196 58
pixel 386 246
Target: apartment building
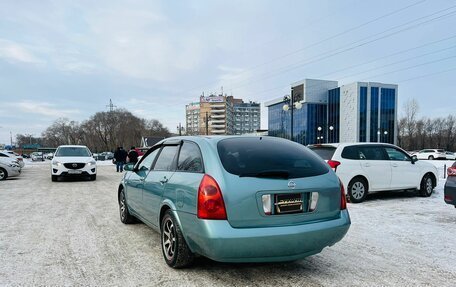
pixel 222 115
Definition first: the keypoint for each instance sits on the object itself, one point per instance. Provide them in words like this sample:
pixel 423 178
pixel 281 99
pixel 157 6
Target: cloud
pixel 43 109
pixel 15 52
pixel 142 44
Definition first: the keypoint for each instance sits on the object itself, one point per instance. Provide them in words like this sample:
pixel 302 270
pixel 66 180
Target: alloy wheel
pixel 169 239
pixel 2 174
pixel 123 206
pixel 428 185
pixel 357 190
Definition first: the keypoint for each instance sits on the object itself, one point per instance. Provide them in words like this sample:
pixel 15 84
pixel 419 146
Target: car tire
pixel 3 174
pixel 175 250
pixel 125 216
pixel 93 177
pixel 357 190
pixel 426 186
pixel 431 157
pixel 54 178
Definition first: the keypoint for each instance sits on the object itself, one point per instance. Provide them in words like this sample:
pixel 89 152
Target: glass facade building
pixel 305 122
pixel 358 112
pixel 333 115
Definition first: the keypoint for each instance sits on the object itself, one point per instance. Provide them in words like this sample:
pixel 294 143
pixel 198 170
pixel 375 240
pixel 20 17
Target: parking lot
pixel 69 233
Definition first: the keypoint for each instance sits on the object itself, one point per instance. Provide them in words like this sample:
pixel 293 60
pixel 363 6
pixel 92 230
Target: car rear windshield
pixel 269 158
pixel 325 152
pixel 72 151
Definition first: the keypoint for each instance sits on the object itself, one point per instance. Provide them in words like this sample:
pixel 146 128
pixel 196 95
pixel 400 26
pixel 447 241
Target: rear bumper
pixel 217 240
pixel 450 191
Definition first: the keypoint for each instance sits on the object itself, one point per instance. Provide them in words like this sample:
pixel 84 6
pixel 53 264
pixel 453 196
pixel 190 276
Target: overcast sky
pixel 68 58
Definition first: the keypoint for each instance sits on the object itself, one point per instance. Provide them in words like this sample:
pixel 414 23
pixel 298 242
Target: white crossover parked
pixel 73 161
pixel 431 154
pixel 369 167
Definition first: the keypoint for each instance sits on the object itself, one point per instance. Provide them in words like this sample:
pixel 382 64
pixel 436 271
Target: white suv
pixel 73 160
pixel 431 154
pixel 369 167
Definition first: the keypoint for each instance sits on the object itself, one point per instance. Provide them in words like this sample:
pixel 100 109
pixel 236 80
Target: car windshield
pixel 73 151
pixel 269 158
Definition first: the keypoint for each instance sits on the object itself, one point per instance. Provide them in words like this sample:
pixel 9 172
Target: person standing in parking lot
pixel 121 157
pixel 133 155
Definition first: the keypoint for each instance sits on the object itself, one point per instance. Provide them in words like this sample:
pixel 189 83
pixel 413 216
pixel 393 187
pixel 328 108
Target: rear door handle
pixel 367 164
pixel 394 164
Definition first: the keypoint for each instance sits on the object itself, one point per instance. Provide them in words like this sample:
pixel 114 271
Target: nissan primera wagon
pixel 235 199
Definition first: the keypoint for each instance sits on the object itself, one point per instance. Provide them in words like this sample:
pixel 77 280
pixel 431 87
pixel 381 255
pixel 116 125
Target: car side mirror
pixel 414 159
pixel 129 166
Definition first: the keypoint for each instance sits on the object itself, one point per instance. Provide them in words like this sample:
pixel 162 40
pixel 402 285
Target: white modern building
pixel 357 112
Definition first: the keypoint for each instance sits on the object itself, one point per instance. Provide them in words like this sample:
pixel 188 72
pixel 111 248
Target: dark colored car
pixel 450 186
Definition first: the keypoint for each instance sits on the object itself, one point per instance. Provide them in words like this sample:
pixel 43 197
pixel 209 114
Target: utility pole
pixel 111 106
pixel 207 124
pixel 292 108
pixel 180 129
pixel 11 139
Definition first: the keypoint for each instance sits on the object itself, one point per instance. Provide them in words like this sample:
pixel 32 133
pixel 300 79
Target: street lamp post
pixel 180 128
pixel 291 105
pixel 331 138
pixel 206 119
pixel 319 137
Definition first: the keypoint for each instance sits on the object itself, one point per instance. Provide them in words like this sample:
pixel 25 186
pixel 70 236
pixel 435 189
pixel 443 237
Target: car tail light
pixel 343 198
pixel 451 171
pixel 210 200
pixel 333 164
pixel 448 198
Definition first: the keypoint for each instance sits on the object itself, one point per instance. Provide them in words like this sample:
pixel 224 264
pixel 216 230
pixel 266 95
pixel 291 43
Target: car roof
pixel 213 139
pixel 72 146
pixel 336 145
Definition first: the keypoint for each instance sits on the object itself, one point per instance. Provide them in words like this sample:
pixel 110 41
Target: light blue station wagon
pixel 235 199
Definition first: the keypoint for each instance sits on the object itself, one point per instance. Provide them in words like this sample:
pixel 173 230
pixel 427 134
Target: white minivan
pixel 370 167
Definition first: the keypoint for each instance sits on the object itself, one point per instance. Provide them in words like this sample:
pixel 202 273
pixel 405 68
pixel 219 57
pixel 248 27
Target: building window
pixel 374 115
pixel 334 115
pixel 363 114
pixel 387 114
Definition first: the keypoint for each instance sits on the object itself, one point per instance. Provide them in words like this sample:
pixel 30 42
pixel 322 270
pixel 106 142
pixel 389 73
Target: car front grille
pixel 74 165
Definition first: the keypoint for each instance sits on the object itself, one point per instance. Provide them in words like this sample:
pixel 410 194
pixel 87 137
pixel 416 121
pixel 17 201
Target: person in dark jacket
pixel 133 155
pixel 121 157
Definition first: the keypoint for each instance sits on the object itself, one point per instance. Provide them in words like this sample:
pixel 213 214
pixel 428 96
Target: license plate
pixel 73 171
pixel 288 203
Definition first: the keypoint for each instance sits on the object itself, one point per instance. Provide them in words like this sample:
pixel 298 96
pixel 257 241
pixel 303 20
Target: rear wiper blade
pixel 268 174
